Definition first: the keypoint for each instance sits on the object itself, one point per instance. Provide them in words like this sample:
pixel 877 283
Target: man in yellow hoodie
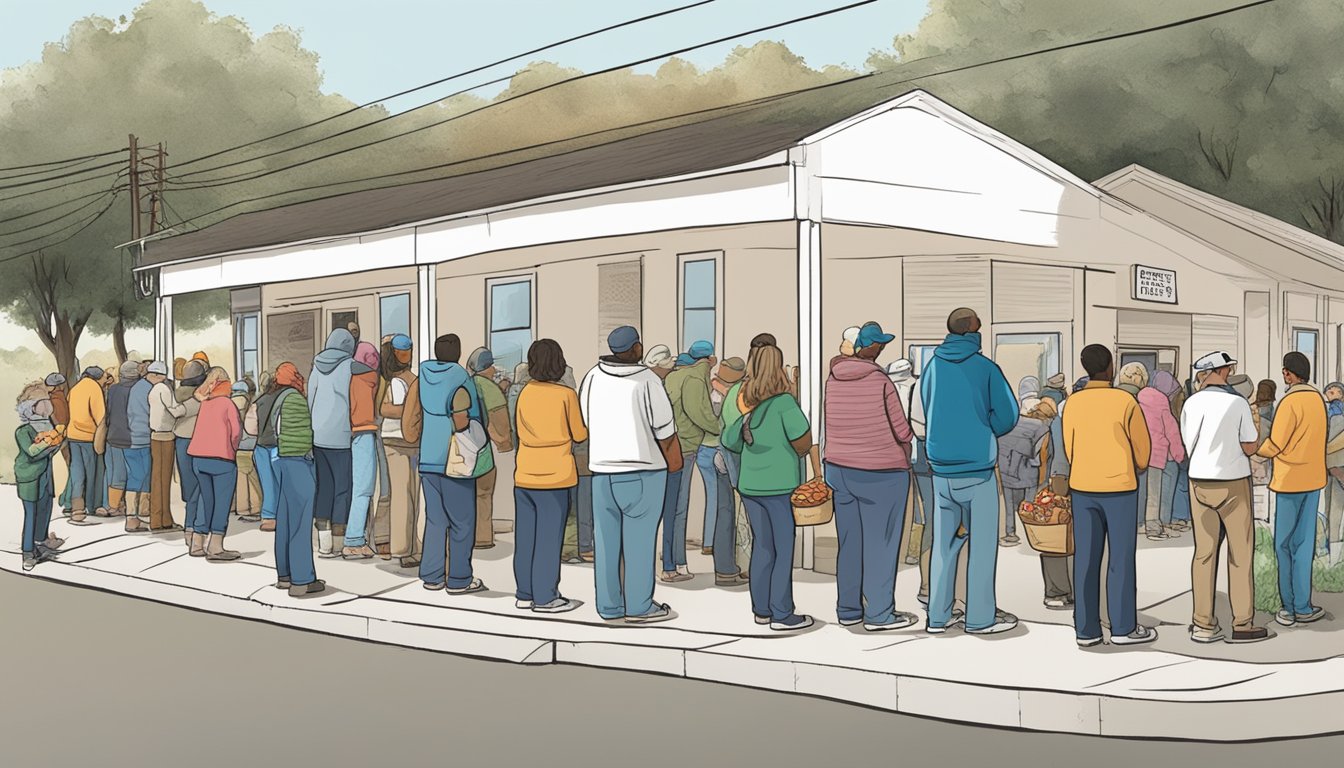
pixel 87 410
pixel 1297 445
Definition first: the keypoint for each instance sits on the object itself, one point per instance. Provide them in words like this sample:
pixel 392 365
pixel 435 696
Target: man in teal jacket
pixel 968 405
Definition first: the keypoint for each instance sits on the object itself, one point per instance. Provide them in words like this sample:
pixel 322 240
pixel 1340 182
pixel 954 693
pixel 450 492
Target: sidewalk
pixel 1032 678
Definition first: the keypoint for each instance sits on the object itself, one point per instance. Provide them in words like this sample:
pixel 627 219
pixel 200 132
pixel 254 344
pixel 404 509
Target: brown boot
pixel 133 523
pixel 215 551
pixel 198 544
pixel 116 501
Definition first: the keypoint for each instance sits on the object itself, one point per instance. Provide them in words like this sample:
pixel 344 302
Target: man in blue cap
pixel 632 445
pixel 698 430
pixel 495 404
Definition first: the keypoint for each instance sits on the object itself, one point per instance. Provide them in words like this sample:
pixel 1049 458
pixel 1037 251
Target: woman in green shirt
pixel 772 436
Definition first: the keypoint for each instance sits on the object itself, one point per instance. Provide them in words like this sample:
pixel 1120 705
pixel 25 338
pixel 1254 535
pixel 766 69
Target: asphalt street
pixel 93 678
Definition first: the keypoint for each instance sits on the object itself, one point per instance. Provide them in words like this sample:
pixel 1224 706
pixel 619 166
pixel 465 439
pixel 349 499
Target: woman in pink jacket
pixel 214 451
pixel 1165 431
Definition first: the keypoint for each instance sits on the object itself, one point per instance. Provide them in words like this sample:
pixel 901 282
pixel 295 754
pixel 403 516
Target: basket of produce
pixel 813 502
pixel 1048 521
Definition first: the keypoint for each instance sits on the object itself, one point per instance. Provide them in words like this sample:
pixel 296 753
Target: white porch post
pixel 428 322
pixel 163 330
pixel 809 345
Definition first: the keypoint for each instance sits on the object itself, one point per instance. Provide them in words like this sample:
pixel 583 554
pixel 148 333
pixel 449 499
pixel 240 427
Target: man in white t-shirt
pixel 405 522
pixel 1220 435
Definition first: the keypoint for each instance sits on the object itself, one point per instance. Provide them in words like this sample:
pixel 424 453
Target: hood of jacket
pixel 438 382
pixel 855 368
pixel 958 348
pixel 340 347
pixel 612 367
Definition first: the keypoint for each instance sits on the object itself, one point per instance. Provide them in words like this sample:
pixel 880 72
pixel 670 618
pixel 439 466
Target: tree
pixel 1325 212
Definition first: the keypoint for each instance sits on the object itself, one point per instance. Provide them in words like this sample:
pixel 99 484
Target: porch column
pixel 428 321
pixel 163 330
pixel 809 345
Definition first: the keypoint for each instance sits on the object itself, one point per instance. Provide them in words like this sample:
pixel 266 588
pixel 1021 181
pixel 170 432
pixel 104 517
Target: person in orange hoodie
pixel 214 451
pixel 88 408
pixel 363 452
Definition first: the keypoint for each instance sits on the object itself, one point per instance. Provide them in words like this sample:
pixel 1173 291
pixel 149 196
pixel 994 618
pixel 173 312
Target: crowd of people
pixel 340 465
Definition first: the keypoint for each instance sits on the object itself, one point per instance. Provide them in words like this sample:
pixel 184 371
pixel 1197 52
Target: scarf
pixel 288 376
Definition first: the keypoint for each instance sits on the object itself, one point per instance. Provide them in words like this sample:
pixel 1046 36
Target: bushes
pixel 1324 578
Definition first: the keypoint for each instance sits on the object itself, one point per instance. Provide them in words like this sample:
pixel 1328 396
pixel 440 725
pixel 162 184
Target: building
pixel 799 216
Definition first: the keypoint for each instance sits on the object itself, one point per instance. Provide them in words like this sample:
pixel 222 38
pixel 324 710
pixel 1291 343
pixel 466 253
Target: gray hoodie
pixel 329 390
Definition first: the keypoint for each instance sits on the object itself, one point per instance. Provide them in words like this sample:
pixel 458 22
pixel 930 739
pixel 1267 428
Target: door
pixel 347 319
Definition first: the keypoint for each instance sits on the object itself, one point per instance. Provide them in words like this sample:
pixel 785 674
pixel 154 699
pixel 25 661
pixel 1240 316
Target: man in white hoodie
pixel 632 437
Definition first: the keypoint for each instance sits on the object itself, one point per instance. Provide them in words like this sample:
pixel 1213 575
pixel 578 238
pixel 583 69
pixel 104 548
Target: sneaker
pixel 1317 613
pixel 358 553
pixel 434 587
pixel 1251 635
pixel 283 584
pixel 761 620
pixel 249 518
pixel 685 571
pixel 476 585
pixel 268 525
pixel 409 562
pixel 923 599
pixel 1157 536
pixel 850 622
pixel 732 580
pixel 311 588
pixel 54 542
pixel 672 577
pixel 1009 541
pixel 1285 618
pixel 660 612
pixel 1206 636
pixel 523 605
pixel 901 621
pixel 1140 636
pixel 1003 622
pixel 29 562
pixel 958 617
pixel 1089 642
pixel 794 623
pixel 587 557
pixel 1058 603
pixel 558 605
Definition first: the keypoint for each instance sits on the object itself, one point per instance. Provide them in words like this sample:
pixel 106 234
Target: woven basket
pixel 822 513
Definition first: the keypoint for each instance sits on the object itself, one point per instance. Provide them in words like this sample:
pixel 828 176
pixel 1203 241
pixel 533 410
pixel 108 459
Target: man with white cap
pixel 164 411
pixel 1220 435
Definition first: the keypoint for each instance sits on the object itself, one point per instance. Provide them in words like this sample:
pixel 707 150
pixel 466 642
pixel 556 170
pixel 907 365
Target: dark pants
pixel 1057 573
pixel 869 522
pixel 450 529
pixel 37 517
pixel 83 476
pixel 674 532
pixel 581 505
pixel 1102 522
pixel 335 480
pixel 539 522
pixel 725 528
pixel 295 478
pixel 191 490
pixel 217 479
pixel 772 533
pixel 161 483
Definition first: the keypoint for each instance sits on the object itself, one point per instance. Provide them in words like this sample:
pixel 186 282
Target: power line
pixel 80 172
pixel 533 92
pixel 60 167
pixel 72 235
pixel 65 215
pixel 67 161
pixel 63 185
pixel 440 81
pixel 53 207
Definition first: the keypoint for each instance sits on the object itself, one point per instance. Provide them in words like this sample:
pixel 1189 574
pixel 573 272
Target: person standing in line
pixel 921 502
pixel 550 423
pixel 60 416
pixel 1218 425
pixel 661 361
pixel 771 437
pixel 119 441
pixel 632 447
pixel 727 573
pixel 1297 444
pixel 213 450
pixel 1019 461
pixel 164 411
pixel 1332 501
pixel 406 524
pixel 138 455
pixel 363 453
pixel 1108 443
pixel 263 457
pixel 193 376
pixel 1056 570
pixel 847 341
pixel 688 387
pixel 285 428
pixel 1168 452
pixel 247 497
pixel 495 403
pixel 442 406
pixel 968 405
pixel 329 406
pixel 37 439
pixel 675 568
pixel 867 453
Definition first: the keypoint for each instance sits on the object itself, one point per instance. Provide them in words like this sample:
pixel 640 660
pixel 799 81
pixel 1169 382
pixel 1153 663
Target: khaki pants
pixel 162 457
pixel 485 509
pixel 405 521
pixel 247 495
pixel 1218 509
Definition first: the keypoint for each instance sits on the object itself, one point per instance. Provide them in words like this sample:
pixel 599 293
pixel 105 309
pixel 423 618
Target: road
pixel 98 679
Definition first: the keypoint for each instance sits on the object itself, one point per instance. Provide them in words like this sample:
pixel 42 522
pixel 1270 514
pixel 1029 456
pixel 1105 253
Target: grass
pixel 1324 578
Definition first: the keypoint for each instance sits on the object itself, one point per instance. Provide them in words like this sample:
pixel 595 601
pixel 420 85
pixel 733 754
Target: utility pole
pixel 135 187
pixel 146 186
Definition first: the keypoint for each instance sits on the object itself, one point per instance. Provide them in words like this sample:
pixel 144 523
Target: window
pixel 1027 354
pixel 510 315
pixel 699 302
pixel 394 314
pixel 1304 341
pixel 347 319
pixel 920 355
pixel 247 358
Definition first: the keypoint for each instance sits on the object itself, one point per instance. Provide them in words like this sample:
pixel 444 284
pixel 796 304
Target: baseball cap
pixel 159 367
pixel 401 341
pixel 622 340
pixel 658 357
pixel 701 350
pixel 54 380
pixel 901 366
pixel 480 360
pixel 851 334
pixel 870 334
pixel 1213 361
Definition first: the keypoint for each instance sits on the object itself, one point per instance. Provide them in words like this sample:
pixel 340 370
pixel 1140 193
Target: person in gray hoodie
pixel 329 405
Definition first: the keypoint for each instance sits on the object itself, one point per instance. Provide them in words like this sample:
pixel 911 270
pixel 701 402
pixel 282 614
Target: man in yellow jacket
pixel 1297 445
pixel 87 410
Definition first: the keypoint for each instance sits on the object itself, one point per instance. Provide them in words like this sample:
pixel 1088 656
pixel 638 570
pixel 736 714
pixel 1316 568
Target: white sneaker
pixel 558 605
pixel 1089 642
pixel 1003 622
pixel 324 542
pixel 685 571
pixel 1140 636
pixel 1206 636
pixel 958 617
pixel 901 621
pixel 523 605
pixel 1286 618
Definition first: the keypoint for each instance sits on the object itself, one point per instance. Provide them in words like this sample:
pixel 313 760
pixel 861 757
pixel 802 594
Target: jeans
pixel 626 510
pixel 1156 503
pixel 734 464
pixel 364 460
pixel 1104 522
pixel 971 501
pixel 725 527
pixel 924 509
pixel 83 476
pixel 450 529
pixel 1012 500
pixel 294 480
pixel 334 479
pixel 264 461
pixel 772 530
pixel 581 500
pixel 1142 500
pixel 1295 545
pixel 217 479
pixel 116 467
pixel 709 475
pixel 1180 500
pixel 869 521
pixel 191 489
pixel 137 469
pixel 674 518
pixel 539 520
pixel 37 517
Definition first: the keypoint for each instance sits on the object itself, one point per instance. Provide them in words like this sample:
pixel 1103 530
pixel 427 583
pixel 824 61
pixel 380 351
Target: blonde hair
pixel 1135 374
pixel 765 376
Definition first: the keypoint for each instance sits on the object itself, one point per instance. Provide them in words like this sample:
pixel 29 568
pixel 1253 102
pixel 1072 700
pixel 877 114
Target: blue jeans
pixel 137 469
pixel 539 520
pixel 218 479
pixel 924 491
pixel 581 498
pixel 1180 502
pixel 772 537
pixel 709 475
pixel 191 490
pixel 116 467
pixel 37 517
pixel 674 516
pixel 869 521
pixel 450 529
pixel 263 459
pixel 1295 545
pixel 725 527
pixel 1104 522
pixel 971 501
pixel 733 462
pixel 84 476
pixel 334 479
pixel 626 510
pixel 294 480
pixel 364 461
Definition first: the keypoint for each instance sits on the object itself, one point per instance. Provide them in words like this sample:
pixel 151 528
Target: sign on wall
pixel 1153 284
